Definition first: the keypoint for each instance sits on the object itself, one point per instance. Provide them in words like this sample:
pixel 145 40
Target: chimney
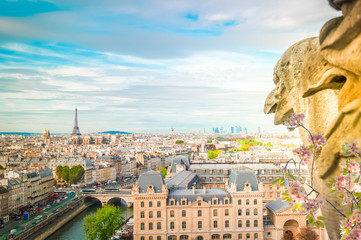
pixel 204 189
pixel 194 189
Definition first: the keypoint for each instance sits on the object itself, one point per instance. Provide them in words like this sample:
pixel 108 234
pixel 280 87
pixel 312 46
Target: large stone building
pixel 234 212
pixel 27 188
pixel 4 204
pixel 182 208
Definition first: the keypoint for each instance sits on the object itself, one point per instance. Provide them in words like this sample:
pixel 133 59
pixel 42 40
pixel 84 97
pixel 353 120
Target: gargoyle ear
pixel 331 79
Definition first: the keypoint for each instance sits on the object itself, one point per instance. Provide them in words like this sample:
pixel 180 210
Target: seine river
pixel 73 230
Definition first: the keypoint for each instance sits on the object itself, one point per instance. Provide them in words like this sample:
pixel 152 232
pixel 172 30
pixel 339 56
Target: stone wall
pixel 47 227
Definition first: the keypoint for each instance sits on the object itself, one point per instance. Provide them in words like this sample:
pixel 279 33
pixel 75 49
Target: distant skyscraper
pixel 232 129
pixel 76 127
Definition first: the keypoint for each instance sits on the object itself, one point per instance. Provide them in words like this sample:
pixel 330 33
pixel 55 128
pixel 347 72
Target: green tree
pixel 65 173
pixel 1 167
pixel 213 154
pixel 76 173
pixel 59 171
pixel 179 142
pixel 209 140
pixel 103 223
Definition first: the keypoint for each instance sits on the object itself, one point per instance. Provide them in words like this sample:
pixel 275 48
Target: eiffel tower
pixel 76 128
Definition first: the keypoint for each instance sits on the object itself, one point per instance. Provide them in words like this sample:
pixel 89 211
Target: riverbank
pixel 47 227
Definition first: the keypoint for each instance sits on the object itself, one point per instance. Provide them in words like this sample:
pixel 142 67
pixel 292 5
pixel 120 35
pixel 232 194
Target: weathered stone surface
pixel 324 82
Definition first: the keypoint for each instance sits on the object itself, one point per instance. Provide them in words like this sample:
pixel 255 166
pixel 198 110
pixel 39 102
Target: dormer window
pixel 172 202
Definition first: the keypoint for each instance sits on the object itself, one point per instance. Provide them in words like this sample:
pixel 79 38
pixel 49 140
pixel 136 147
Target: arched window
pixel 199 238
pixel 239 223
pixel 150 238
pixel 172 237
pixel 184 237
pixel 216 236
pixel 227 236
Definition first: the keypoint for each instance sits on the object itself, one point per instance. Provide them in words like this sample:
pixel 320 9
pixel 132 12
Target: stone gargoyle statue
pixel 321 77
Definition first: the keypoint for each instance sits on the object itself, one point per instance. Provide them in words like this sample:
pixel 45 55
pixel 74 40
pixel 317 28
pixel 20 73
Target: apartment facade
pixel 231 213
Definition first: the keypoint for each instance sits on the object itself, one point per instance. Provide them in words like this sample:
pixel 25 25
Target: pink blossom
pixel 297 192
pixel 318 139
pixel 355 234
pixel 352 148
pixel 304 154
pixel 343 165
pixel 294 121
pixel 311 205
pixel 354 167
pixel 341 182
pixel 351 223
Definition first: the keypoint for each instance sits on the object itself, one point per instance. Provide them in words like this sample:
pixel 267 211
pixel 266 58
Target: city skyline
pixel 145 66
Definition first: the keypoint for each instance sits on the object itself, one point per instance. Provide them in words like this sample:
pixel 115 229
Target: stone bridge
pixel 104 197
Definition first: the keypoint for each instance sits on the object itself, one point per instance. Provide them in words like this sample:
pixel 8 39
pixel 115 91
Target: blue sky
pixel 144 66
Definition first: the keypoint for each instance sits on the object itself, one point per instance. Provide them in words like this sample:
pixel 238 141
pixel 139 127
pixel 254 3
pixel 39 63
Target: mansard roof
pixel 278 205
pixel 206 194
pixel 241 176
pixel 148 178
pixel 182 180
pixel 179 160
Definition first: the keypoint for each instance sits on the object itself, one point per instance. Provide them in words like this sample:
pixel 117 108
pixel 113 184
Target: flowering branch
pixel 346 186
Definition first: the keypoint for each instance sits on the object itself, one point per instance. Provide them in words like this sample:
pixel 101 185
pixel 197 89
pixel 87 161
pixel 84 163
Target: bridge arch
pixel 88 199
pixel 120 200
pixel 109 198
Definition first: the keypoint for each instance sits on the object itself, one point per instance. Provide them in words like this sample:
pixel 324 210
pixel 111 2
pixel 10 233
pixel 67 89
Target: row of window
pixel 150 214
pixel 151 238
pixel 214 236
pixel 247 201
pixel 215 224
pixel 248 212
pixel 215 213
pixel 215 201
pixel 142 204
pixel 150 226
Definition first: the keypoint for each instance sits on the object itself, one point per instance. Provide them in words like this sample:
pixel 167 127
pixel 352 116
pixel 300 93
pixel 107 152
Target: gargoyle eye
pixel 339 79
